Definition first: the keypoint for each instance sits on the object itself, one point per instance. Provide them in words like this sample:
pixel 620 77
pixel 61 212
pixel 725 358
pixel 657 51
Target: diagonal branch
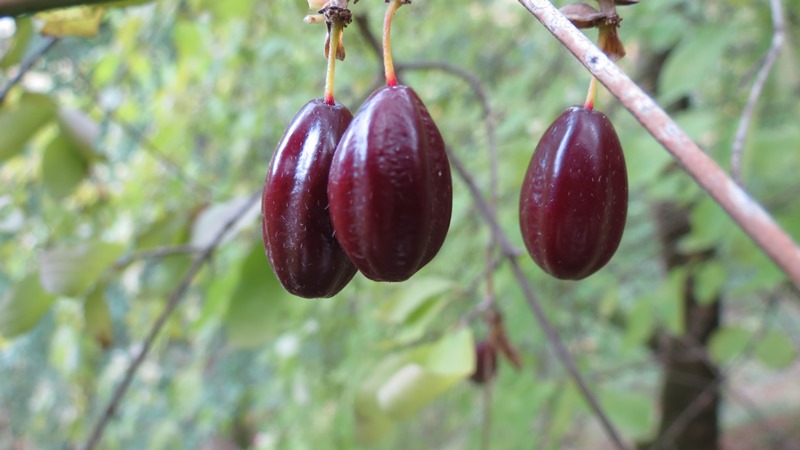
pixel 744 211
pixel 778 37
pixel 172 303
pixel 26 66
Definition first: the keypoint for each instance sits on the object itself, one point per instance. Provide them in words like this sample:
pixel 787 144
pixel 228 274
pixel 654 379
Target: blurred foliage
pixel 148 134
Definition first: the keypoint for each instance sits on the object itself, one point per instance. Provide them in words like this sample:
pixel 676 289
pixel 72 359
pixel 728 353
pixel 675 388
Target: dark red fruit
pixel 296 225
pixel 485 362
pixel 390 189
pixel 575 195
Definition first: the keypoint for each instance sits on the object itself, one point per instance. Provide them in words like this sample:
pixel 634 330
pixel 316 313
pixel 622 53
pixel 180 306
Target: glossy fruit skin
pixel 485 363
pixel 390 188
pixel 296 226
pixel 574 198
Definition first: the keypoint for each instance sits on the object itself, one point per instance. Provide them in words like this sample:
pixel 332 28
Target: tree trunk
pixel 690 396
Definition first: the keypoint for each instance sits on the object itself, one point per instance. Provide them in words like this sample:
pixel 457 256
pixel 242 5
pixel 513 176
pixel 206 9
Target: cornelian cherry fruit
pixel 390 190
pixel 296 226
pixel 574 199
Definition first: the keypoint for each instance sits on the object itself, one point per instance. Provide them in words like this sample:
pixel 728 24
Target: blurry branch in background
pixel 175 297
pixel 767 62
pixel 744 211
pixel 26 65
pixel 20 7
pixel 161 252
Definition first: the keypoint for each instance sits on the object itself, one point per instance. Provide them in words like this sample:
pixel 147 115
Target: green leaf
pixel 631 411
pixel 413 297
pixel 258 302
pixel 73 270
pixel 23 307
pixel 728 343
pixel 97 317
pixel 415 307
pixel 20 124
pixel 776 350
pixel 708 281
pixel 22 38
pixel 63 168
pixel 453 354
pixel 426 373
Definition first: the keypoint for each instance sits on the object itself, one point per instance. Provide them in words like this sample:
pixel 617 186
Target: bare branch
pixel 547 327
pixel 26 66
pixel 160 252
pixel 778 37
pixel 744 211
pixel 174 298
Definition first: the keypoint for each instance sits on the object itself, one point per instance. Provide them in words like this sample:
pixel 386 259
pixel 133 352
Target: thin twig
pixel 160 252
pixel 26 66
pixel 744 211
pixel 778 37
pixel 510 253
pixel 174 298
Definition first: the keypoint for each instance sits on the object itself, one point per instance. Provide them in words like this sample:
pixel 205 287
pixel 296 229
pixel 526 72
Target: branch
pixel 26 65
pixel 778 37
pixel 159 252
pixel 174 298
pixel 747 213
pixel 510 253
pixel 20 7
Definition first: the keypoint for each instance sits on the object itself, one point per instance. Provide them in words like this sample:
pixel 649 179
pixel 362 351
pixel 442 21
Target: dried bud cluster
pixel 606 19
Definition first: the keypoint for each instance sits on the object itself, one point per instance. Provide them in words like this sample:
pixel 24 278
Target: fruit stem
pixel 388 64
pixel 336 35
pixel 590 97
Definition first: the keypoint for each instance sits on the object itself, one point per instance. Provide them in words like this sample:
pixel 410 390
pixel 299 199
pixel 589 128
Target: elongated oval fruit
pixel 390 189
pixel 574 199
pixel 296 225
